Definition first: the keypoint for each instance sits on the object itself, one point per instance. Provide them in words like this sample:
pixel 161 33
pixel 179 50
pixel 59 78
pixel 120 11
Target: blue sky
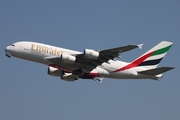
pixel 27 92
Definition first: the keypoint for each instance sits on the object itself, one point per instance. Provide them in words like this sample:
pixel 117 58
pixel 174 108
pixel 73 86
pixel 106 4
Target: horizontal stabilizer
pixel 156 71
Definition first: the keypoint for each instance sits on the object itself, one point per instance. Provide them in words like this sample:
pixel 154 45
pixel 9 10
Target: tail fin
pixel 153 57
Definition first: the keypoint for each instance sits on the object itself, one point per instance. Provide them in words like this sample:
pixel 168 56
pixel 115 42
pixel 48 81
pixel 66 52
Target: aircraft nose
pixel 7 50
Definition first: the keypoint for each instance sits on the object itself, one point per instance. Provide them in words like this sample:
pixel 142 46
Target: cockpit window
pixel 13 45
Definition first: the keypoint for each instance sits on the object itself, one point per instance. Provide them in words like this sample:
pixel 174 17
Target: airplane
pixel 71 65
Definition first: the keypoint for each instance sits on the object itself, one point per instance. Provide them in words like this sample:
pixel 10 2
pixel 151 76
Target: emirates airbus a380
pixel 70 65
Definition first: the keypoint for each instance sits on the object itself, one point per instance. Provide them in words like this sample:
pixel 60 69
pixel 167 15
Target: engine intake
pixel 91 54
pixel 68 77
pixel 54 71
pixel 69 59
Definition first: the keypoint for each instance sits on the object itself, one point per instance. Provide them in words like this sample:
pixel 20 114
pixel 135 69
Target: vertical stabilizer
pixel 153 57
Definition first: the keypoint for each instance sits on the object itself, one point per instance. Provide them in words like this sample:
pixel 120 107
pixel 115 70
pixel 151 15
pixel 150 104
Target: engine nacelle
pixel 54 71
pixel 68 77
pixel 69 59
pixel 91 54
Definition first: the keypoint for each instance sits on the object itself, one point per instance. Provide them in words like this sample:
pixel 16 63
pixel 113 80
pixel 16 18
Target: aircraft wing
pixel 114 52
pixel 105 55
pixel 89 64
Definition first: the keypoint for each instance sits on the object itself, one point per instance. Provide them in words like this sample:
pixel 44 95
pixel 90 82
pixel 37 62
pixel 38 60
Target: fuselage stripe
pixel 161 51
pixel 150 62
pixel 135 63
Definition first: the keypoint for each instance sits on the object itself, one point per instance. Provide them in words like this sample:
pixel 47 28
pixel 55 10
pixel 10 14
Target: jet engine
pixel 54 71
pixel 69 59
pixel 91 54
pixel 68 77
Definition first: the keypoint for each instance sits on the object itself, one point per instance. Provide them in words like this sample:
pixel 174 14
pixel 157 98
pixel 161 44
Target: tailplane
pixel 156 71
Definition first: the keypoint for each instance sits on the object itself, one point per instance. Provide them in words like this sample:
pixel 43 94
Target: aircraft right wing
pixel 92 58
pixel 118 50
pixel 103 55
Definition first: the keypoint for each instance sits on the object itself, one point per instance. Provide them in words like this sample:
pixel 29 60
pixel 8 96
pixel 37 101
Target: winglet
pixel 140 46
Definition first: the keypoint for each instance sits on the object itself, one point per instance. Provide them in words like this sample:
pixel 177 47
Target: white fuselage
pixel 39 52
